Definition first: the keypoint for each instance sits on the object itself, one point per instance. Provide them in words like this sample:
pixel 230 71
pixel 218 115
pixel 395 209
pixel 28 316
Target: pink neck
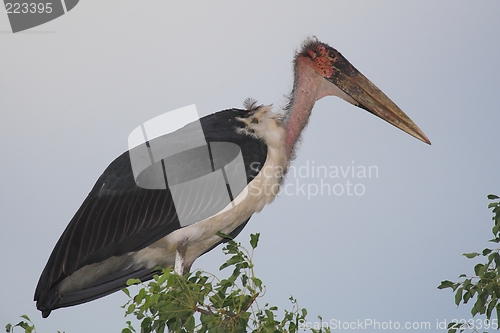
pixel 309 87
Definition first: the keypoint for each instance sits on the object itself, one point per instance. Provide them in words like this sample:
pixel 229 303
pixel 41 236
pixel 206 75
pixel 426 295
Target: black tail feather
pixel 100 288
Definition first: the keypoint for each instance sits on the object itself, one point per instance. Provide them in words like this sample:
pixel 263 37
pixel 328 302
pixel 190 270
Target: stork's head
pixel 343 80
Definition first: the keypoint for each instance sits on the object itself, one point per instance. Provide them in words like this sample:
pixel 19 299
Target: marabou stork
pixel 124 231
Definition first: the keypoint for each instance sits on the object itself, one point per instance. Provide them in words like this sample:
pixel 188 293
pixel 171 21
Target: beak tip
pixel 422 137
pixel 426 140
pixel 418 134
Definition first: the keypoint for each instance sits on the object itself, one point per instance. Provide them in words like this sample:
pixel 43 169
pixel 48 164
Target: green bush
pixel 484 284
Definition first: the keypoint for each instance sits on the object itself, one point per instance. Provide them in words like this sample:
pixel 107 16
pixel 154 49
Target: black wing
pixel 119 217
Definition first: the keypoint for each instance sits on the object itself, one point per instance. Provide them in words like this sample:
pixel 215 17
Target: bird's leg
pixel 180 266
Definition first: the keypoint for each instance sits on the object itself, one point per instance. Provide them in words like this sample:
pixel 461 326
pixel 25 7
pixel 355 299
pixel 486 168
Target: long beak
pixel 369 97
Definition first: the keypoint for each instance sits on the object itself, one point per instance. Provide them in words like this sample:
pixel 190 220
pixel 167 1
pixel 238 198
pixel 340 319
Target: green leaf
pixel 479 269
pixel 146 323
pixel 497 261
pixel 486 252
pixel 493 196
pixel 257 281
pixel 490 308
pixel 467 296
pixel 479 305
pixel 473 311
pixel 495 229
pixel 26 317
pixel 471 255
pixel 450 325
pixel 126 291
pixel 244 279
pixel 458 296
pixel 237 258
pixel 223 235
pixel 254 239
pixel 495 240
pixel 130 309
pixel 163 278
pixel 133 281
pixel 140 296
pixel 445 284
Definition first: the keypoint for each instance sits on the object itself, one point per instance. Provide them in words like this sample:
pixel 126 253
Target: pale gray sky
pixel 70 98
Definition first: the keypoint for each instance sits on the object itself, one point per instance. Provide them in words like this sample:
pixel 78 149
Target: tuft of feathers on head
pixel 250 104
pixel 308 43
